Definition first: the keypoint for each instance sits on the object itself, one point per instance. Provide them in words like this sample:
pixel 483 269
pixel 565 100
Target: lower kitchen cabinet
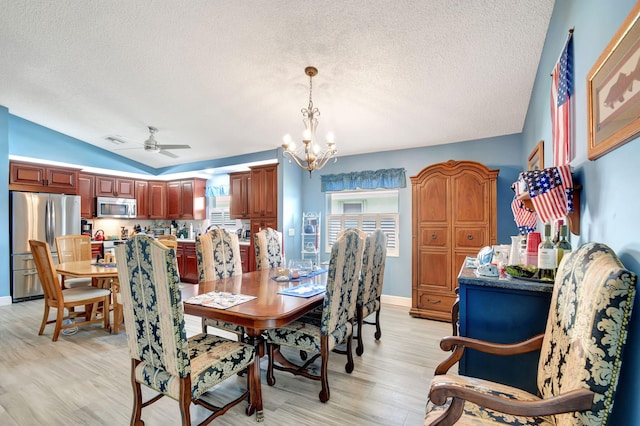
pixel 187 262
pixel 96 249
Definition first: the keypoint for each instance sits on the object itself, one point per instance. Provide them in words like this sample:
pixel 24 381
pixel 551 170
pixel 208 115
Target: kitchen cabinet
pixel 454 216
pixel 263 191
pixel 244 257
pixel 87 193
pixel 502 311
pixel 110 186
pixel 42 178
pixel 96 249
pixel 186 199
pixel 187 262
pixel 142 199
pixel 157 200
pixel 239 194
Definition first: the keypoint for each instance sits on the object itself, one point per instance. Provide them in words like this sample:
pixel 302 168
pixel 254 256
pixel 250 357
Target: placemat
pixel 105 265
pixel 304 290
pixel 219 299
pixel 301 277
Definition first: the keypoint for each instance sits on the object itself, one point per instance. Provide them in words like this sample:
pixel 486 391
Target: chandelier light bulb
pixel 331 138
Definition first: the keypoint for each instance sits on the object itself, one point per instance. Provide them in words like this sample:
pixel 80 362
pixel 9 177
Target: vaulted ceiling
pixel 227 76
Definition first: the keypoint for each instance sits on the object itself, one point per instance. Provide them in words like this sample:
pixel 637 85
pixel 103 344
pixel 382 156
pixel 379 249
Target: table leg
pixel 255 403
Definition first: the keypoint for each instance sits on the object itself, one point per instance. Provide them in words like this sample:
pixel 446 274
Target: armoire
pixel 454 216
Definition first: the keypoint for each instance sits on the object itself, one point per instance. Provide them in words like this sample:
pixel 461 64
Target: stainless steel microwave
pixel 124 208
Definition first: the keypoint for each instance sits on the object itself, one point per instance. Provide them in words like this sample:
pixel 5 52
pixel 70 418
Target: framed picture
pixel 613 99
pixel 536 158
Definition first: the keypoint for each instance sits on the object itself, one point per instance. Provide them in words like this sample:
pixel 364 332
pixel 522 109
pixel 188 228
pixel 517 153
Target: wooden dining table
pixel 268 310
pixel 102 276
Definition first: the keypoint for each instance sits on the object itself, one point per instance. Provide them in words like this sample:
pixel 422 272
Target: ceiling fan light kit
pixel 309 156
pixel 151 144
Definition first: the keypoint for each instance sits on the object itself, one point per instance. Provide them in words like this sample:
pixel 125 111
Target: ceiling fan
pixel 152 145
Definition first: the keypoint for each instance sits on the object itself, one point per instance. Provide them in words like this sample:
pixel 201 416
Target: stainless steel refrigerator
pixel 37 216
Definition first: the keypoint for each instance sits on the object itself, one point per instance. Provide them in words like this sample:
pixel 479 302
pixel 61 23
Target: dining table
pixel 269 309
pixel 102 275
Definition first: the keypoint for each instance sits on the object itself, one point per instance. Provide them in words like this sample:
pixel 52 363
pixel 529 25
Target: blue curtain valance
pixel 216 191
pixel 366 179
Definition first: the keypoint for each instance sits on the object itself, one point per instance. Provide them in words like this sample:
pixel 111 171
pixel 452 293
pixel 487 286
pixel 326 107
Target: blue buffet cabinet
pixel 502 311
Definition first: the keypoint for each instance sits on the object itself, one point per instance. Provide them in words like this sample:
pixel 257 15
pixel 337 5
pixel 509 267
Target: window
pixel 365 210
pixel 219 212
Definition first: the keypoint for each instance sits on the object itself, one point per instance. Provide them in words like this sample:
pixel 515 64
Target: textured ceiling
pixel 227 76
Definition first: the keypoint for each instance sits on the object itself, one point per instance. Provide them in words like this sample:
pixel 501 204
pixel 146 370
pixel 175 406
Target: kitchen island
pixel 502 311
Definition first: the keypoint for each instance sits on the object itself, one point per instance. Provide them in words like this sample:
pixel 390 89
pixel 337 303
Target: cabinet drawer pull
pixel 434 236
pixel 469 237
pixel 435 302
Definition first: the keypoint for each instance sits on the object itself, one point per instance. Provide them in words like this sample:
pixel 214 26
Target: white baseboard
pixel 396 300
pixel 5 300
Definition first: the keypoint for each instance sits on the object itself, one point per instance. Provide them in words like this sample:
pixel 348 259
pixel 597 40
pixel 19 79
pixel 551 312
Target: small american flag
pixel 525 219
pixel 561 106
pixel 551 192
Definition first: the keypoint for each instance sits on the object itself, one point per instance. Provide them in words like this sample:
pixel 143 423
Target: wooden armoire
pixel 454 216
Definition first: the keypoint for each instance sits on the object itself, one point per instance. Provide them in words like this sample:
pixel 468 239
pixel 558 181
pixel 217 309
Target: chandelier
pixel 309 156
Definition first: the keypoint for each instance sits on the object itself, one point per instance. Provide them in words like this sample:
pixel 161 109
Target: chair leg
pixel 59 319
pixel 44 318
pixel 185 401
pixel 378 331
pixel 349 366
pixel 271 380
pixel 324 379
pixel 136 414
pixel 359 315
pixel 204 327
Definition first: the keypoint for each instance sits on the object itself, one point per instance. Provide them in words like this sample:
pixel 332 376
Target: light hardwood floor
pixel 84 379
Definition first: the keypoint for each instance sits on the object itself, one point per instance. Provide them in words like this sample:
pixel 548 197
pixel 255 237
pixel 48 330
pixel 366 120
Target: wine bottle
pixel 547 257
pixel 563 246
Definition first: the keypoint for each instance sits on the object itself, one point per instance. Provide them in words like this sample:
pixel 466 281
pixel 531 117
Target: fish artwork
pixel 623 84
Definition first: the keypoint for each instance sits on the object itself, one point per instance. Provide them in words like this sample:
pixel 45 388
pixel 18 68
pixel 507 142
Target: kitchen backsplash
pixel 113 227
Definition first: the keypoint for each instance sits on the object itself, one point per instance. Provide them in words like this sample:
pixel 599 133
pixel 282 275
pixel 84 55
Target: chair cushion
pixel 212 359
pixel 370 307
pixel 77 282
pixel 227 326
pixel 475 415
pixel 80 293
pixel 306 336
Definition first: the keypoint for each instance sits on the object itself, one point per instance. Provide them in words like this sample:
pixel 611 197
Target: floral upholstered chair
pixel 162 357
pixel 580 354
pixel 373 260
pixel 218 253
pixel 268 247
pixel 336 326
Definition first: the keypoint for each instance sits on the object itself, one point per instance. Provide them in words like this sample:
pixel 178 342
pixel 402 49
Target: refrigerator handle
pixel 49 222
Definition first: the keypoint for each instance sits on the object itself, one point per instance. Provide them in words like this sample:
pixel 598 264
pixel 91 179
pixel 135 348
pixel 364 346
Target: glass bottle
pixel 547 257
pixel 563 246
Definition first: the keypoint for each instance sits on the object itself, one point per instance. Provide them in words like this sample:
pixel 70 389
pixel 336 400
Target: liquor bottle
pixel 547 257
pixel 563 246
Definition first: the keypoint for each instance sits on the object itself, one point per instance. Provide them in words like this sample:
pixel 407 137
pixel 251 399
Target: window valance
pixel 217 191
pixel 366 179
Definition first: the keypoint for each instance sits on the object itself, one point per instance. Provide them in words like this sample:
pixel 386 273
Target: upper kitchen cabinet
pixel 42 178
pixel 239 191
pixel 157 200
pixel 110 186
pixel 87 193
pixel 263 191
pixel 186 199
pixel 142 199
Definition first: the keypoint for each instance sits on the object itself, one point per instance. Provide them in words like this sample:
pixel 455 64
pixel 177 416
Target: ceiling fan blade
pixel 167 153
pixel 173 146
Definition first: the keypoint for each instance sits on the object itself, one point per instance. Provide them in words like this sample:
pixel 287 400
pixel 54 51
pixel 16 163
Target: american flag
pixel 525 219
pixel 561 106
pixel 551 192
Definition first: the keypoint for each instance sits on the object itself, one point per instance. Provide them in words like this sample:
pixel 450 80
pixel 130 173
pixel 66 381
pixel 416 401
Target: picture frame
pixel 536 158
pixel 613 100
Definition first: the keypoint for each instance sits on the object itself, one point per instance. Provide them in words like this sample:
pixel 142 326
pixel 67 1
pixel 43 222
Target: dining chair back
pixel 269 248
pixel 58 298
pixel 336 326
pixel 162 357
pixel 218 255
pixel 374 258
pixel 72 248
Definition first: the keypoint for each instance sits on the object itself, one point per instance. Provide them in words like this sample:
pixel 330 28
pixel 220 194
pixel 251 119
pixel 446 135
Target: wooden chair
pixel 72 248
pixel 162 357
pixel 218 255
pixel 580 354
pixel 56 297
pixel 269 248
pixel 370 289
pixel 335 328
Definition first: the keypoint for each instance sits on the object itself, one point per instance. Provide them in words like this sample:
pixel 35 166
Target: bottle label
pixel 547 258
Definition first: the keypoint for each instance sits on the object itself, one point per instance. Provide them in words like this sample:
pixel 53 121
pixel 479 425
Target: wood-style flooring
pixel 84 379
